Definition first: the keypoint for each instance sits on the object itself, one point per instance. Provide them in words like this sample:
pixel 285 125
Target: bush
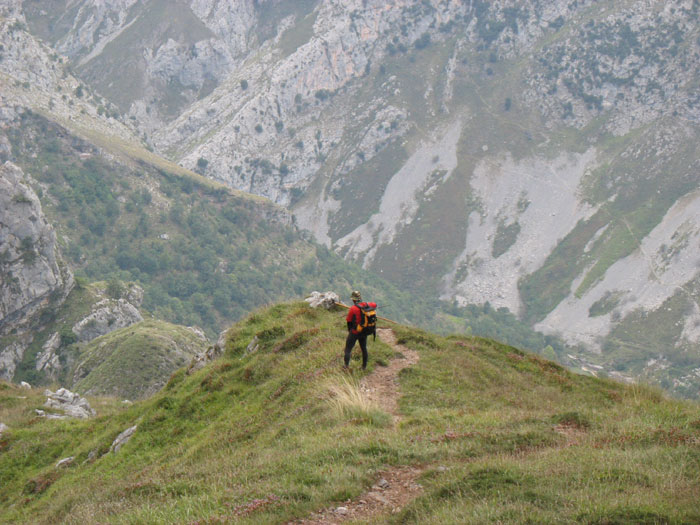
pixel 322 94
pixel 67 336
pixel 423 41
pixel 115 289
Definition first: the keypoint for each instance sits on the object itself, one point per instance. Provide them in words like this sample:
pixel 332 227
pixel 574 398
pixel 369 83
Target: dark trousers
pixel 350 342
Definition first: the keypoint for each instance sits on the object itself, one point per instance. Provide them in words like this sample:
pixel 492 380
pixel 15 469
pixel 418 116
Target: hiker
pixel 362 321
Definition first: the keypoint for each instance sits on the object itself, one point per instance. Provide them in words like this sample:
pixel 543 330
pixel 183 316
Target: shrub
pixel 115 289
pixel 322 94
pixel 67 336
pixel 423 41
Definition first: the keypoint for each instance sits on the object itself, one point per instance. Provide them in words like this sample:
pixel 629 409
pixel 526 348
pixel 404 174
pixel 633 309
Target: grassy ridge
pixel 135 361
pixel 252 438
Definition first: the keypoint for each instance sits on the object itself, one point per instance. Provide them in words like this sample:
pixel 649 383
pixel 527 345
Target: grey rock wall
pixel 31 266
pixel 32 276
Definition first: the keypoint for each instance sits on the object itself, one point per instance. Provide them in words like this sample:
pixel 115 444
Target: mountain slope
pixel 254 438
pixel 205 254
pixel 539 156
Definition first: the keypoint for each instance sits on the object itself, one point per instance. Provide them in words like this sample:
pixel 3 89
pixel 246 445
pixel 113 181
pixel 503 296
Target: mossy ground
pixel 252 439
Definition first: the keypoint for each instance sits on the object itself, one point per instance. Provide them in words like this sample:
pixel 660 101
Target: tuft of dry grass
pixel 348 400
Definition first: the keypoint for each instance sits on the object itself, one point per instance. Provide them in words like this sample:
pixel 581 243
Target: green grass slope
pixel 499 435
pixel 135 361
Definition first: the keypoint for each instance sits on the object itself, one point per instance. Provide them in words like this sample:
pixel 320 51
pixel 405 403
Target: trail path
pixel 396 486
pixel 382 385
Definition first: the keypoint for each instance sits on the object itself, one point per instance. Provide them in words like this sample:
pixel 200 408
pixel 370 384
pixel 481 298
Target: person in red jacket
pixel 353 319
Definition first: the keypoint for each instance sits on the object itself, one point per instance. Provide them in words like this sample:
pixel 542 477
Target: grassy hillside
pixel 496 434
pixel 205 255
pixel 135 361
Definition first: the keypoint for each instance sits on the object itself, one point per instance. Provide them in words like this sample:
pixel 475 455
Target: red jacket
pixel 354 317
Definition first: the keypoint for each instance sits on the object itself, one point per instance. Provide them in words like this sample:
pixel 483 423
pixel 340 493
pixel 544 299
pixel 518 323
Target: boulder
pixel 41 413
pixel 3 428
pixel 122 439
pixel 71 404
pixel 325 300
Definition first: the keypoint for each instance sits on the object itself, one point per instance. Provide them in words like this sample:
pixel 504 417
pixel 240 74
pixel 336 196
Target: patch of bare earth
pixel 397 486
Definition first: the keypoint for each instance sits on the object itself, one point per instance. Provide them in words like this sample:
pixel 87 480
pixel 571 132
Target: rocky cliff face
pixel 31 266
pixel 152 58
pixel 33 276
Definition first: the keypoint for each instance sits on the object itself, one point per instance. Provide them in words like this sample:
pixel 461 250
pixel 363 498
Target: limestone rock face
pixel 10 355
pixel 32 274
pixel 70 403
pixel 28 253
pixel 324 300
pixel 108 315
pixel 48 360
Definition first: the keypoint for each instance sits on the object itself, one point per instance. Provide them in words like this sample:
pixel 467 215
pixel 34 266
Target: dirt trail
pixel 397 486
pixel 382 385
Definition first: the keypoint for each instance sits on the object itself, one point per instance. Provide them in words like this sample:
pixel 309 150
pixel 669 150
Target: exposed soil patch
pixel 394 489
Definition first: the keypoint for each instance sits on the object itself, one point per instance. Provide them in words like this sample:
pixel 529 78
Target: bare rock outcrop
pixel 204 358
pixel 33 275
pixel 122 439
pixel 325 300
pixel 70 403
pixel 48 359
pixel 108 315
